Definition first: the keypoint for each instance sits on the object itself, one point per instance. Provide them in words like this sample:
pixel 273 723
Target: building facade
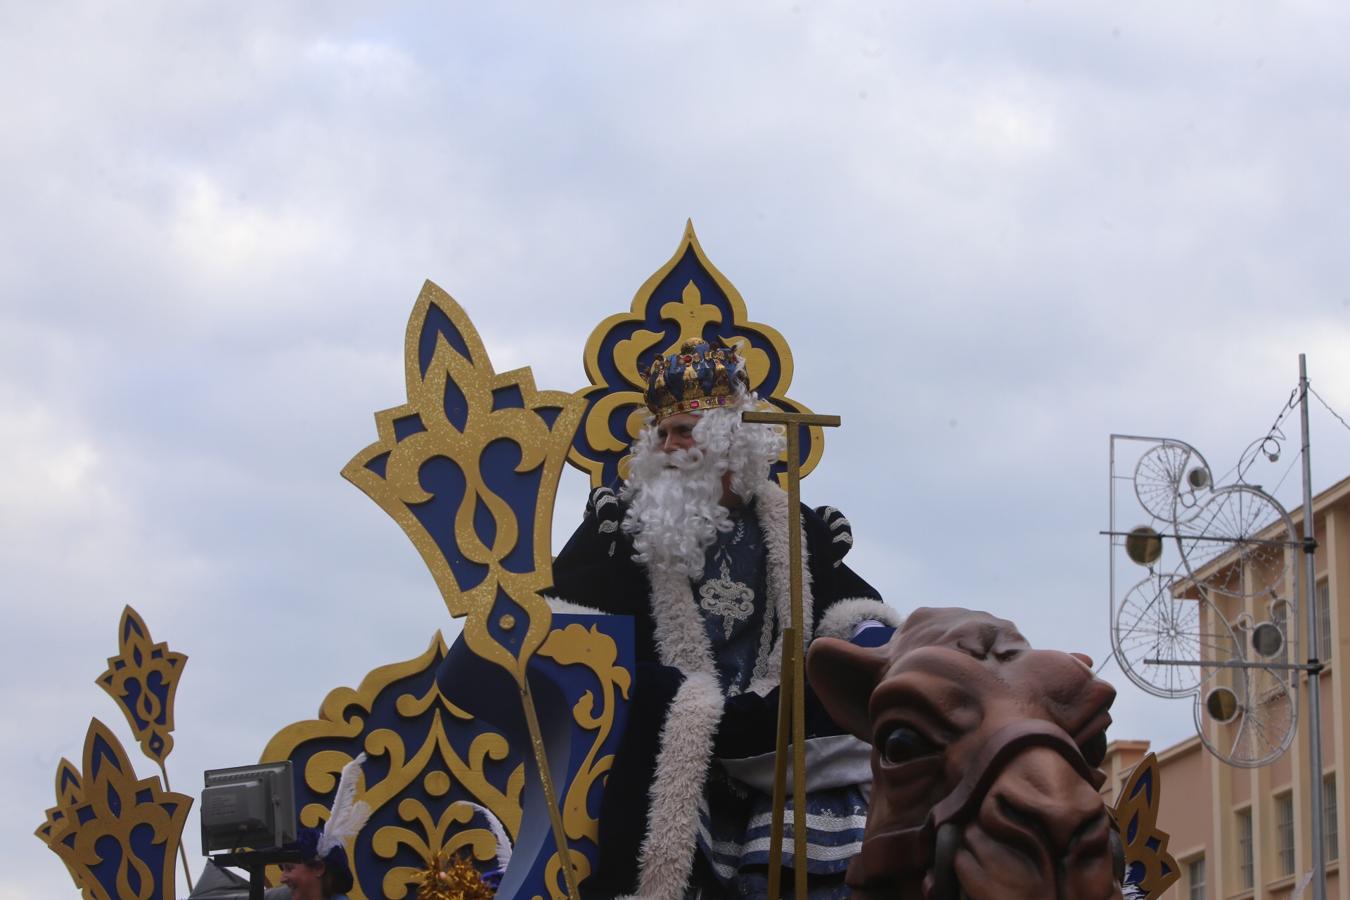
pixel 1242 833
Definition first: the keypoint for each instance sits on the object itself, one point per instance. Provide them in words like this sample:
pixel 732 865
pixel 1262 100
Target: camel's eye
pixel 902 744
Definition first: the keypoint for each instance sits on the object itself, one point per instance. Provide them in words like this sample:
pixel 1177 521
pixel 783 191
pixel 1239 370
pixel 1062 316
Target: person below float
pixel 324 872
pixel 694 547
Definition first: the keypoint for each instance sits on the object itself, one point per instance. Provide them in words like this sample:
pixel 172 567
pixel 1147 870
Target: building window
pixel 1330 837
pixel 1195 878
pixel 1284 832
pixel 1246 871
pixel 1279 614
pixel 1325 646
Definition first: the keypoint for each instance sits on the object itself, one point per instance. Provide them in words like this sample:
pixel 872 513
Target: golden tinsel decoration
pixel 452 877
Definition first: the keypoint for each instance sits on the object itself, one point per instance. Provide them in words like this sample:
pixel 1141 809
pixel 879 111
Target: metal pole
pixel 786 685
pixel 1111 554
pixel 795 696
pixel 799 628
pixel 550 795
pixel 1319 873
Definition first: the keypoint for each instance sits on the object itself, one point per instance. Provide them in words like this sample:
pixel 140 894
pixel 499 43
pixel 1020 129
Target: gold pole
pixel 793 422
pixel 798 670
pixel 780 764
pixel 550 796
pixel 182 851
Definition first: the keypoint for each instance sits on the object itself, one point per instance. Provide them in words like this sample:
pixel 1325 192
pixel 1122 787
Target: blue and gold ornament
pixel 116 833
pixel 143 678
pixel 685 300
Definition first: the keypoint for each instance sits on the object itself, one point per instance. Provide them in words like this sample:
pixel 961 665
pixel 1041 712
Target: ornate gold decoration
pixel 458 466
pixel 143 679
pixel 69 792
pixel 686 298
pixel 434 765
pixel 438 755
pixel 1147 861
pixel 449 876
pixel 115 833
pixel 578 645
pixel 459 411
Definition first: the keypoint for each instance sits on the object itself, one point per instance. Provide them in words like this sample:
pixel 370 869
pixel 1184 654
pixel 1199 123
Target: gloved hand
pixel 603 503
pixel 841 532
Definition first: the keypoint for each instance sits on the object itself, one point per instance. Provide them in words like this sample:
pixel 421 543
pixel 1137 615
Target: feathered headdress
pixel 345 820
pixel 348 814
pixel 498 834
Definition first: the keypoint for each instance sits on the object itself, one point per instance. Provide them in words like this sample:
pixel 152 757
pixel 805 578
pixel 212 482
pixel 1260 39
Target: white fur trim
pixel 567 607
pixel 771 501
pixel 681 637
pixel 667 855
pixel 843 615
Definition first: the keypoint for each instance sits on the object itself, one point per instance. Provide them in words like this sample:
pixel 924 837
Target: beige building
pixel 1244 833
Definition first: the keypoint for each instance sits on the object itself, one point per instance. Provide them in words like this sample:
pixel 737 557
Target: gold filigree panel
pixel 429 758
pixel 1136 813
pixel 469 468
pixel 589 647
pixel 143 679
pixel 686 298
pixel 116 834
pixel 429 767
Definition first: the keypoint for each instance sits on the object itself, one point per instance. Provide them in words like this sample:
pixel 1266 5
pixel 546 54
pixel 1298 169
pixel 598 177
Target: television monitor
pixel 248 807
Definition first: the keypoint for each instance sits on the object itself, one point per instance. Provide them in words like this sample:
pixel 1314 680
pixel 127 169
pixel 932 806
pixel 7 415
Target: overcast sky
pixel 993 233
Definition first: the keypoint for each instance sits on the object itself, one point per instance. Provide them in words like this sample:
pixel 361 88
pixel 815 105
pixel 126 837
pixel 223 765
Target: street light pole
pixel 1319 871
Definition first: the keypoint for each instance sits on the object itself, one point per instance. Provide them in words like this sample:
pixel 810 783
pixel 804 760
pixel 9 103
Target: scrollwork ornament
pixel 589 647
pixel 469 467
pixel 116 834
pixel 143 679
pixel 427 756
pixel 686 298
pixel 60 818
pixel 1147 861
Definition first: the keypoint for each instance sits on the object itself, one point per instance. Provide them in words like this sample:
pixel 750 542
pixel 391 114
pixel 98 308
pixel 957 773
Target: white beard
pixel 675 499
pixel 675 507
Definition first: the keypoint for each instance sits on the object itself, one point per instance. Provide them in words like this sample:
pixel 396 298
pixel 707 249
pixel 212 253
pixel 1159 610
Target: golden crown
pixel 694 378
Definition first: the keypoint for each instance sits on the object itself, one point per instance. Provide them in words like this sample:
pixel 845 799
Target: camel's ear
pixel 843 676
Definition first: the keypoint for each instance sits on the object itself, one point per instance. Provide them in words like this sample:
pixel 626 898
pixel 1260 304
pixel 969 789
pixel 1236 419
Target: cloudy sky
pixel 994 233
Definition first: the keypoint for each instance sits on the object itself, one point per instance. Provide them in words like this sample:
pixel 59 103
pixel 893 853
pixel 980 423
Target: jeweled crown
pixel 695 378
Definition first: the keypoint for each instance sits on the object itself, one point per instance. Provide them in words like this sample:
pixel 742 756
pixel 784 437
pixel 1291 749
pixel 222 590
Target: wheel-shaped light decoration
pixel 1246 717
pixel 1213 616
pixel 1236 543
pixel 1171 480
pixel 1161 635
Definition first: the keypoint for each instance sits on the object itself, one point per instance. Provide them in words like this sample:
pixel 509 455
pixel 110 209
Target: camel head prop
pixel 984 762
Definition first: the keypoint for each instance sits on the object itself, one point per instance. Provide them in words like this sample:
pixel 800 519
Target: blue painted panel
pixel 407 426
pixel 442 478
pixel 520 490
pixel 491 696
pixel 438 324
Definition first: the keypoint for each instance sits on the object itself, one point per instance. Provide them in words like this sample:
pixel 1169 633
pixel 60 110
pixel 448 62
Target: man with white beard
pixel 694 546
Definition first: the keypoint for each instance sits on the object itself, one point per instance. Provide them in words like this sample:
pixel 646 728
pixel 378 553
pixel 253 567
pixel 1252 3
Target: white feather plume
pixel 348 814
pixel 498 832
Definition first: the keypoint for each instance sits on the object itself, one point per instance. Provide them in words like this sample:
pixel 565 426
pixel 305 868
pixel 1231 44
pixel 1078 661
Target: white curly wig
pixel 674 499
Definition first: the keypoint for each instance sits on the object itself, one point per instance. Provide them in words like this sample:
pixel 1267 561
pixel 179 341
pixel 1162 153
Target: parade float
pixel 486 759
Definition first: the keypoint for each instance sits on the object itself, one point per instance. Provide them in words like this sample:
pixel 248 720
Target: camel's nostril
pixel 1041 797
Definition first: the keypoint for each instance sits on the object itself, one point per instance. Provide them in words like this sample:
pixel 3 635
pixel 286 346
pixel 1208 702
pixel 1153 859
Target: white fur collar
pixel 681 637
